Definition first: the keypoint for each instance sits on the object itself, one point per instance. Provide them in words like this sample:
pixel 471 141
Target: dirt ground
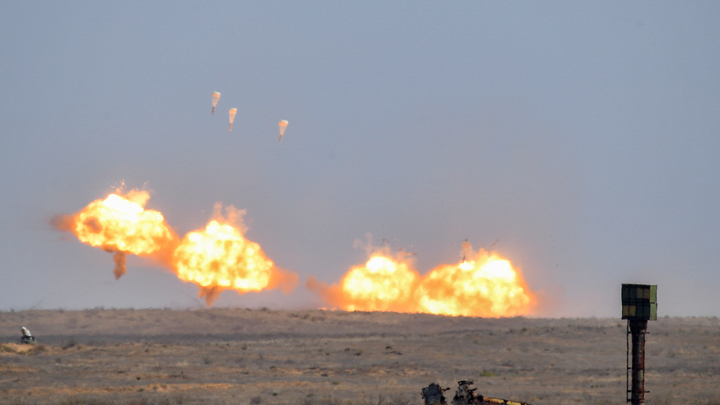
pixel 262 357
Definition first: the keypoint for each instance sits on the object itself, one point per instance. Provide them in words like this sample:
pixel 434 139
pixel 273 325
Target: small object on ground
pixel 463 396
pixel 27 338
pixel 466 395
pixel 433 394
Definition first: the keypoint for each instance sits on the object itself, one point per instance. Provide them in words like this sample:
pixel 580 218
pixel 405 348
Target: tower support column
pixel 638 328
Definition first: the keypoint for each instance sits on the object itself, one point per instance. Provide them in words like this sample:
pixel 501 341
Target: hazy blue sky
pixel 582 136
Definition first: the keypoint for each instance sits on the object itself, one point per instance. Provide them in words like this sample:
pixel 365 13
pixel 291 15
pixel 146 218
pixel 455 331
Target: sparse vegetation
pixel 324 401
pixel 71 342
pixel 282 359
pixel 39 349
pixel 84 401
pixel 7 349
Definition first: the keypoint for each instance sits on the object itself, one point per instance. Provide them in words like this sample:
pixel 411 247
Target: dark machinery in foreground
pixel 433 395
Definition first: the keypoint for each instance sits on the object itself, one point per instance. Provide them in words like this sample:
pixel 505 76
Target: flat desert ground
pixel 315 357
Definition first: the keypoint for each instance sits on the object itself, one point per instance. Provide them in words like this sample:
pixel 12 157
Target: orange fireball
pixel 382 284
pixel 219 258
pixel 216 258
pixel 483 284
pixel 121 223
pixel 385 283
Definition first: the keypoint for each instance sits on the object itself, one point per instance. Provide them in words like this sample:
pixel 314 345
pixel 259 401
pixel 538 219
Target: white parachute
pixel 283 125
pixel 216 98
pixel 233 111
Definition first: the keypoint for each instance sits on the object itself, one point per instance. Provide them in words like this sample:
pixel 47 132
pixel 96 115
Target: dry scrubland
pixel 262 357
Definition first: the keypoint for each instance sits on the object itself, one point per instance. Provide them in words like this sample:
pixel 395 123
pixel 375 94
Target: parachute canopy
pixel 283 125
pixel 216 98
pixel 233 111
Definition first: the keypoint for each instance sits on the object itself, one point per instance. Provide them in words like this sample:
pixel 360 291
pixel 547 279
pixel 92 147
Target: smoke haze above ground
pixel 581 137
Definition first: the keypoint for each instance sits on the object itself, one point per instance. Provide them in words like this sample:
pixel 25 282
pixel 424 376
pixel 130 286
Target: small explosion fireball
pixel 482 284
pixel 216 258
pixel 384 283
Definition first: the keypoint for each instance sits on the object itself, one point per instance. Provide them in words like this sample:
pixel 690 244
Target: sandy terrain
pixel 243 356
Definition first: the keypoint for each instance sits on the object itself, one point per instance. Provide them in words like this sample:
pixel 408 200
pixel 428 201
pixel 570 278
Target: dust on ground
pixel 263 357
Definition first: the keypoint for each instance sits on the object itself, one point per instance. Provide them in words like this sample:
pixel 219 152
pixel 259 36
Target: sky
pixel 580 138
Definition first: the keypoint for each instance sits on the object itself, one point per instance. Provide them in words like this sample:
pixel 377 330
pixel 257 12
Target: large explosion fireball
pixel 219 258
pixel 120 223
pixel 482 284
pixel 216 258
